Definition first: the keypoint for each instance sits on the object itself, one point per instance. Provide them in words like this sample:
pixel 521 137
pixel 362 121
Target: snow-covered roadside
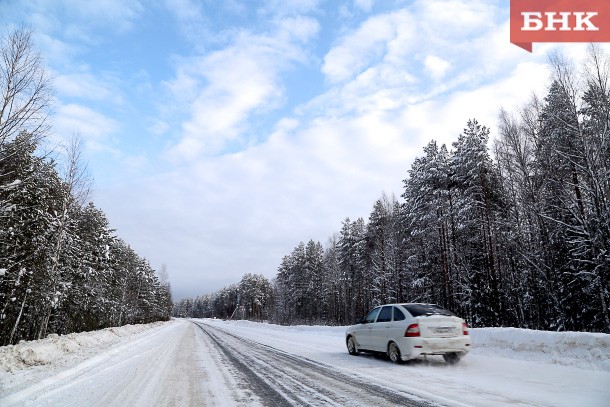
pixel 30 362
pixel 584 350
pixel 56 349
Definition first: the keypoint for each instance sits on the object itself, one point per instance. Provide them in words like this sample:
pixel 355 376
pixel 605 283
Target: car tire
pixel 351 346
pixel 451 358
pixel 394 353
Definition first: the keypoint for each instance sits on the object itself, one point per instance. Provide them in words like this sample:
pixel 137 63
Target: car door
pixel 363 331
pixel 398 325
pixel 380 330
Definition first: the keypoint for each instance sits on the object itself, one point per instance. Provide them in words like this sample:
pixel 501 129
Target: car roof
pixel 407 303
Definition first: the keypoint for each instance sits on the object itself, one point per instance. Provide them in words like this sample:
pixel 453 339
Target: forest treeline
pixel 513 235
pixel 62 269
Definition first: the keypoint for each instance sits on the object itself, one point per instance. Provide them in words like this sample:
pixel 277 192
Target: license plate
pixel 444 330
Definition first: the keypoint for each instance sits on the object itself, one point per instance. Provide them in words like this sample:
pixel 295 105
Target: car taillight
pixel 464 328
pixel 412 330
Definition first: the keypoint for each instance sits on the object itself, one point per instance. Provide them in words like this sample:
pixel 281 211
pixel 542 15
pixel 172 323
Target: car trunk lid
pixel 439 326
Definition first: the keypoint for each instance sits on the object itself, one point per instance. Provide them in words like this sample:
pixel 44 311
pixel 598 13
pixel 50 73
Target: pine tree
pixel 382 242
pixel 429 230
pixel 27 206
pixel 470 171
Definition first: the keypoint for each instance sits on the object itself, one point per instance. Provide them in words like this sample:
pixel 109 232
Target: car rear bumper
pixel 411 348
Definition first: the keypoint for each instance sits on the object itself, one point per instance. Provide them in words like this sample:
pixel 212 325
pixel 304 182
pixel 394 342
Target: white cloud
pixel 191 20
pixel 442 20
pixel 117 14
pixel 282 8
pixel 364 5
pixel 185 10
pixel 55 50
pixel 188 149
pixel 437 67
pixel 366 46
pixel 136 162
pixel 86 86
pixel 223 89
pixel 302 28
pixel 443 118
pixel 93 126
pixel 76 19
pixel 159 127
pixel 236 81
pixel 387 62
pixel 398 38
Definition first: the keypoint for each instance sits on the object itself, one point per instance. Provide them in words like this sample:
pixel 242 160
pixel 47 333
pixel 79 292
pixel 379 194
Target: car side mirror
pixel 360 321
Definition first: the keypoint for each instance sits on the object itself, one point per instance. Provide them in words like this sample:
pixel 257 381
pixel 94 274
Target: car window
pixel 372 315
pixel 398 315
pixel 385 315
pixel 427 309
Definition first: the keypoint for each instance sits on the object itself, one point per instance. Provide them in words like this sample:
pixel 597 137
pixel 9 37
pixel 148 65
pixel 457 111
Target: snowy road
pixel 223 363
pixel 157 367
pixel 284 379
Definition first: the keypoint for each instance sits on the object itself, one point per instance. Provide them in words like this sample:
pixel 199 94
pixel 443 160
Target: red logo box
pixel 558 21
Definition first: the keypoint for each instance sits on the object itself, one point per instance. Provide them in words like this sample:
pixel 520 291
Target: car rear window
pixel 398 315
pixel 427 309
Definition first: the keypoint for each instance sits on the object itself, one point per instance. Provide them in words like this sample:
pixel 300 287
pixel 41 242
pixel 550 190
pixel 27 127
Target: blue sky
pixel 222 133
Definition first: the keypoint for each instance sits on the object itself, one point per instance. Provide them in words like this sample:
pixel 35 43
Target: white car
pixel 407 331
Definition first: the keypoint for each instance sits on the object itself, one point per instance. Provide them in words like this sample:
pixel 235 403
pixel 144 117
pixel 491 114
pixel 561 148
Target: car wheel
pixel 394 353
pixel 351 346
pixel 451 358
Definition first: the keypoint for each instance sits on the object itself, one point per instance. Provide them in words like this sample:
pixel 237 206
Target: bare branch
pixel 75 172
pixel 25 87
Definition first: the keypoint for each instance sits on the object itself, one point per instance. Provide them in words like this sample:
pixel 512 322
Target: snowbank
pixel 581 349
pixel 55 347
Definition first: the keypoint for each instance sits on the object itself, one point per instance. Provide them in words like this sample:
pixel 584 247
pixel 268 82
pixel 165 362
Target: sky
pixel 220 134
